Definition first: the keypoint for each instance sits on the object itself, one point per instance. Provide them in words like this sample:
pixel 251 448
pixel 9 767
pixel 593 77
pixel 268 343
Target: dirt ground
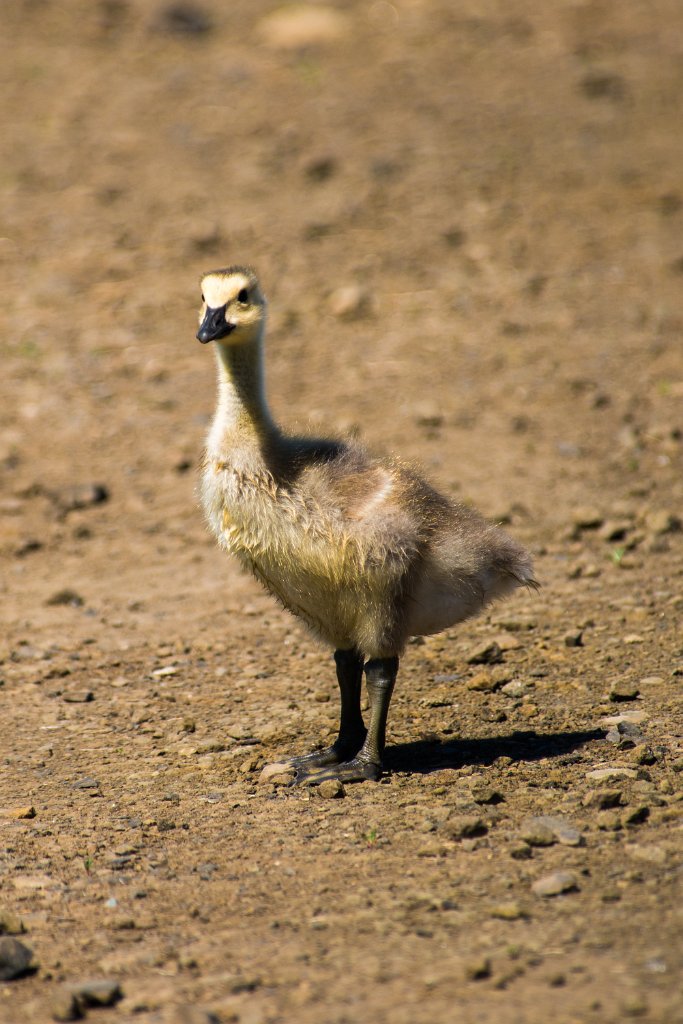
pixel 467 217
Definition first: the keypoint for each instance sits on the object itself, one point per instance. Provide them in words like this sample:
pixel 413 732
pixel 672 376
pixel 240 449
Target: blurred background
pixel 465 214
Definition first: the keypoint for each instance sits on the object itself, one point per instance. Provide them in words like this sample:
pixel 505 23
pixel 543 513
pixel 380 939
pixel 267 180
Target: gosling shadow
pixel 425 756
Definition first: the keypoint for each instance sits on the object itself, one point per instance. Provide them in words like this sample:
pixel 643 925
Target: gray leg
pixel 380 674
pixel 352 729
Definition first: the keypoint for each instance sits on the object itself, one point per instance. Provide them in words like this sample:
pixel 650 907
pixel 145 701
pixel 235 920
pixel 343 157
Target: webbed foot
pixel 355 770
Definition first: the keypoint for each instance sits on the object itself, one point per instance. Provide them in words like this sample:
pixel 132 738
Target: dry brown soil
pixel 496 187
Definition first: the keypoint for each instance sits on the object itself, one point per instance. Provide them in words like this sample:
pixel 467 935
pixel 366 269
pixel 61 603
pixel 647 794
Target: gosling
pixel 361 549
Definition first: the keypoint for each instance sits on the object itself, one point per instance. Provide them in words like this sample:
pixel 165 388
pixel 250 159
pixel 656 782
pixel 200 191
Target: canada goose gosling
pixel 361 549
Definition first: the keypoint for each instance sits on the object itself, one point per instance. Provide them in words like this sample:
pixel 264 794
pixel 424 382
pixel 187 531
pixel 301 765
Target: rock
pixel 482 683
pixel 349 302
pixel 559 829
pixel 10 924
pixel 625 735
pixel 663 521
pixel 211 746
pixel 80 496
pixel 478 968
pixel 321 167
pixel 615 529
pixel 610 821
pixel 183 19
pixel 535 833
pixel 634 1005
pixel 188 1014
pixel 66 596
pixel 302 25
pixel 87 782
pixel 78 696
pixel 507 642
pixel 625 718
pixel 427 413
pixel 464 826
pixel 602 799
pixel 279 773
pixel 587 517
pixel 574 638
pixel 508 911
pixel 515 688
pixel 611 774
pixel 642 754
pixel 488 652
pixel 520 851
pixel 64 1006
pixel 96 992
pixel 19 813
pixel 487 795
pixel 651 853
pixel 16 959
pixel 622 690
pixel 555 884
pixel 635 816
pixel 331 789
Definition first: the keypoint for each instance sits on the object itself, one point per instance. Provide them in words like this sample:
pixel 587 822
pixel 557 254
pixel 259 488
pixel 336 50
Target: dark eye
pixel 203 299
pixel 243 296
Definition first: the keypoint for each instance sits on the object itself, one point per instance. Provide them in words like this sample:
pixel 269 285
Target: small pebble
pixel 634 1006
pixel 623 690
pixel 587 517
pixel 574 639
pixel 610 774
pixel 509 911
pixel 610 822
pixel 278 774
pixel 478 969
pixel 66 596
pixel 515 688
pixel 331 789
pixel 78 696
pixel 561 830
pixel 482 683
pixel 555 884
pixel 16 959
pixel 625 735
pixel 602 799
pixel 642 754
pixel 349 302
pixel 488 652
pixel 183 19
pixel 520 851
pixel 27 811
pixel 87 783
pixel 464 826
pixel 64 1006
pixel 535 833
pixel 663 521
pixel 635 816
pixel 96 992
pixel 10 923
pixel 487 795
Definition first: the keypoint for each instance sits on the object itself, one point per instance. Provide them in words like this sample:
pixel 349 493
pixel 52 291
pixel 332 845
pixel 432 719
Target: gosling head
pixel 233 308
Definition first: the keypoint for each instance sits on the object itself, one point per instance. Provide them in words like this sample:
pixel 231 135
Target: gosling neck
pixel 242 416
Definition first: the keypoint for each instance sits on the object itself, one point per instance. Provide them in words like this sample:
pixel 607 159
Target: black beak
pixel 214 325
